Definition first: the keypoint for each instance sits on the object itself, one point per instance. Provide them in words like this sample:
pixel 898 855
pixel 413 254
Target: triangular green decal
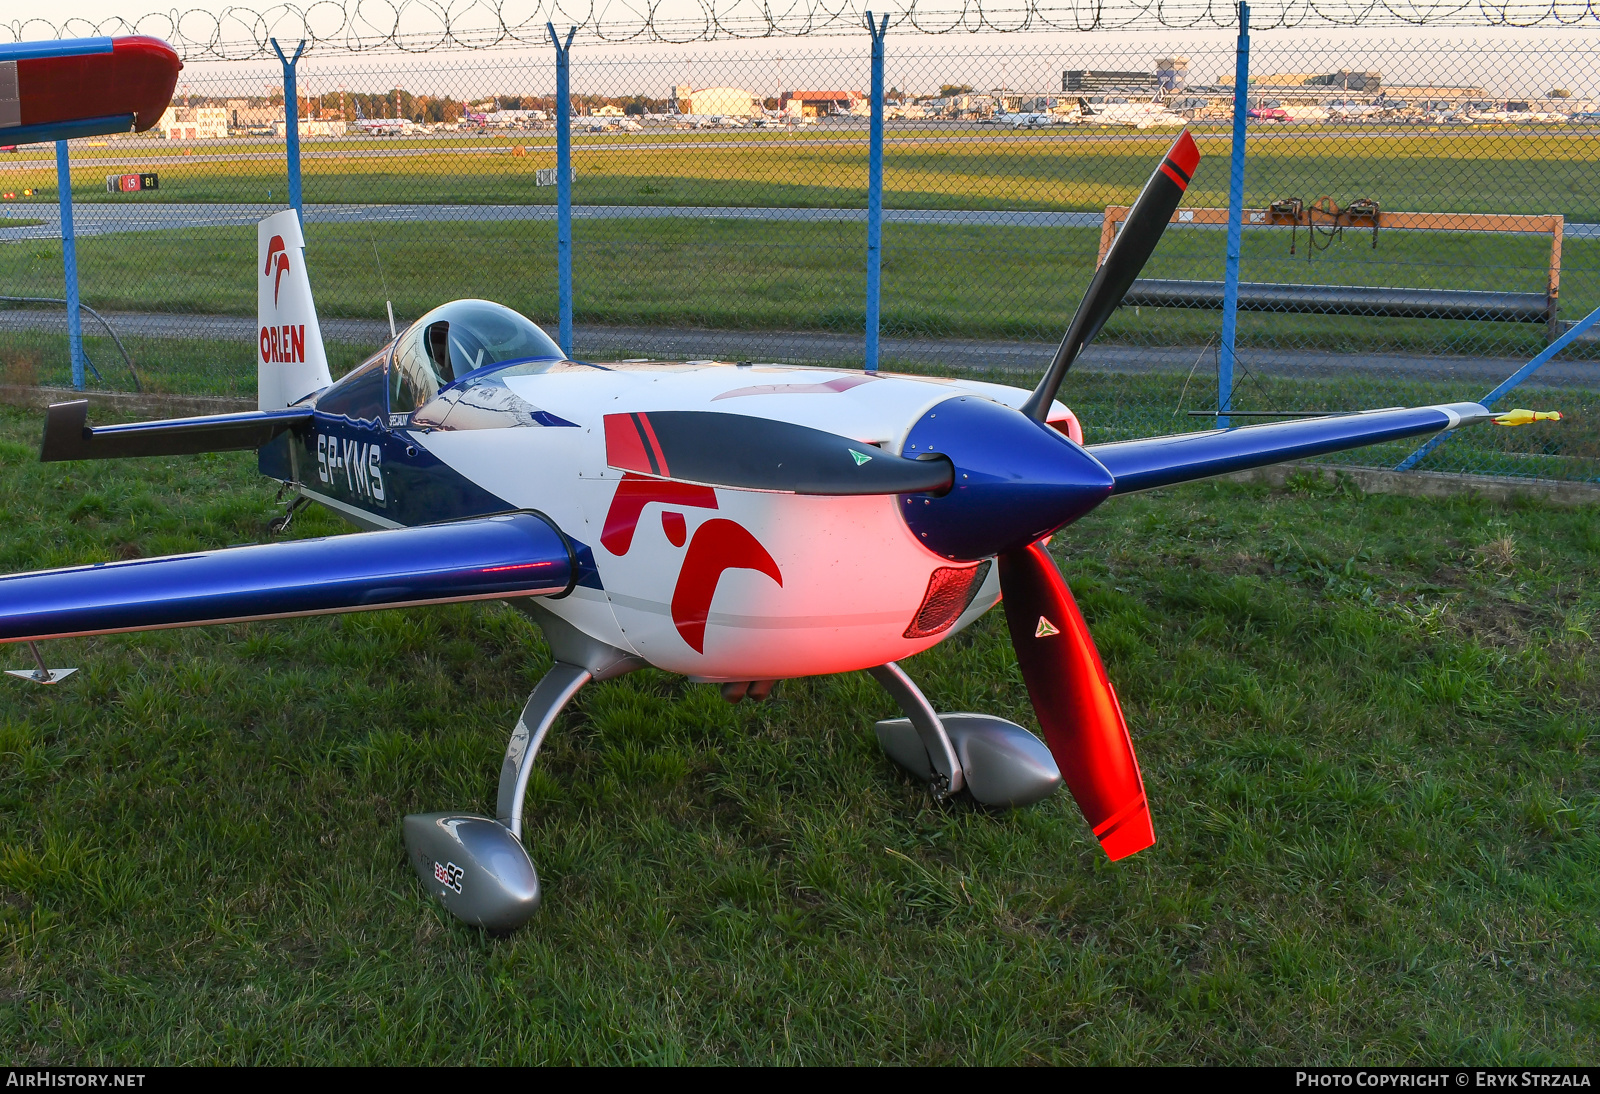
pixel 860 457
pixel 1045 628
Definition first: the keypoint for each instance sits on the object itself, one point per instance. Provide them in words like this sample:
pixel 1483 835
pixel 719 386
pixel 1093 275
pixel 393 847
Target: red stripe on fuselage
pixel 718 546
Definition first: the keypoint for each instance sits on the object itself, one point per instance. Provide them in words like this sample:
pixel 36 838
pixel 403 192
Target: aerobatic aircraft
pixel 736 523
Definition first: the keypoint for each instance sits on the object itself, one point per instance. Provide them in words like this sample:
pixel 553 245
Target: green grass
pixel 961 282
pixel 1367 726
pixel 172 366
pixel 954 167
pixel 939 281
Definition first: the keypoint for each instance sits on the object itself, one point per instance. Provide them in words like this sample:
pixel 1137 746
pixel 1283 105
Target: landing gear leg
pixel 478 865
pixel 926 751
pixel 998 762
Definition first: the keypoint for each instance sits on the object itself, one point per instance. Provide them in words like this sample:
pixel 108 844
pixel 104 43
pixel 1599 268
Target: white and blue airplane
pixel 737 524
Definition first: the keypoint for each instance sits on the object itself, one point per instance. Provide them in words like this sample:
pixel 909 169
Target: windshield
pixel 455 339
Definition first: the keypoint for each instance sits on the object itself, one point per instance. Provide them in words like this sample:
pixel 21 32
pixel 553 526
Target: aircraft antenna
pixel 387 303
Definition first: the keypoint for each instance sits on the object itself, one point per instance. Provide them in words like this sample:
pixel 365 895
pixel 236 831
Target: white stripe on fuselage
pixel 361 518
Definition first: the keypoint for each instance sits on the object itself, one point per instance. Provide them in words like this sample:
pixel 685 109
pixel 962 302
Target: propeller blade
pixel 1129 252
pixel 1074 701
pixel 736 450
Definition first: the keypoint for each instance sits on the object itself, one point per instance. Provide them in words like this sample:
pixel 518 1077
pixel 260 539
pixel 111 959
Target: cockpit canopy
pixel 455 339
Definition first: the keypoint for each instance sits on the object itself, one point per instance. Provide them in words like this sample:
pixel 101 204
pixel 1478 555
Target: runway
pixel 104 218
pixel 967 355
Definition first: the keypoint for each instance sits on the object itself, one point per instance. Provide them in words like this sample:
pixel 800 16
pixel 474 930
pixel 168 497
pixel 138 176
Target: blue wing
pixel 1183 457
pixel 517 554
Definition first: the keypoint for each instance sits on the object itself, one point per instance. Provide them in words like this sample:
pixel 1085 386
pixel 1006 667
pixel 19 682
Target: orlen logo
pixel 276 254
pixel 285 345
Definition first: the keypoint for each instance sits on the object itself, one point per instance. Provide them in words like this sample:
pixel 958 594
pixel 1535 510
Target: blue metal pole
pixel 69 264
pixel 291 123
pixel 1573 333
pixel 875 192
pixel 564 179
pixel 1230 284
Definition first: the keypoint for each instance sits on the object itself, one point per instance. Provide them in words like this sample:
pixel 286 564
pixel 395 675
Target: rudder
pixel 290 360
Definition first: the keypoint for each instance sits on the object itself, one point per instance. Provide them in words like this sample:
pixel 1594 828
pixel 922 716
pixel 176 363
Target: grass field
pixel 1367 726
pixel 1465 170
pixel 942 281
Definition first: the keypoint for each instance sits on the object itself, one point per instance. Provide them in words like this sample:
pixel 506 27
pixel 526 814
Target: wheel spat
pixel 1074 701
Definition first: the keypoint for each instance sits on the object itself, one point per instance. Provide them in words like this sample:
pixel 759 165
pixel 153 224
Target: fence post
pixel 69 264
pixel 1230 284
pixel 875 191
pixel 291 123
pixel 564 179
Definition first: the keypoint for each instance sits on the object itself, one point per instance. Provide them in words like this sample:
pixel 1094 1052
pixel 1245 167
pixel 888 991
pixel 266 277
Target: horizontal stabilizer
pixel 68 436
pixel 517 554
pixel 81 87
pixel 1183 457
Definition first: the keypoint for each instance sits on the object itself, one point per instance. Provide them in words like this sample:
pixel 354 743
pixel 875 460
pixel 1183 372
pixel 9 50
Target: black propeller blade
pixel 748 453
pixel 1129 252
pixel 1007 487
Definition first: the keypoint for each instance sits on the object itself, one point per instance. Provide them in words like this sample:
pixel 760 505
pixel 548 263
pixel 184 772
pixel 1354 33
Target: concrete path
pixel 93 219
pixel 670 343
pixel 102 218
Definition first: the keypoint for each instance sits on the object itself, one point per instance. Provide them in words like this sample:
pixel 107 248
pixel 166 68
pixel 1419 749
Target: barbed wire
pixel 422 26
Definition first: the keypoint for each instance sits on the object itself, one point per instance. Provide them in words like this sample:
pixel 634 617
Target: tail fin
pixel 1085 109
pixel 291 362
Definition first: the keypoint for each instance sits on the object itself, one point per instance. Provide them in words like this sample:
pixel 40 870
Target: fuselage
pixel 714 583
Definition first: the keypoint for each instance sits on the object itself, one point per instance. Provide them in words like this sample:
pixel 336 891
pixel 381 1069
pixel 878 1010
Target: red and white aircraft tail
pixel 290 361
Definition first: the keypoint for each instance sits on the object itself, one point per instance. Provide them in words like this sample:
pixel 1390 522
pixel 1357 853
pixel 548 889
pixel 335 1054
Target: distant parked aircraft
pixel 388 127
pixel 1119 111
pixel 1347 110
pixel 1034 120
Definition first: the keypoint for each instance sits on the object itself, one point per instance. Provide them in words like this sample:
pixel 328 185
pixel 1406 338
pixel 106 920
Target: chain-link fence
pixel 1420 216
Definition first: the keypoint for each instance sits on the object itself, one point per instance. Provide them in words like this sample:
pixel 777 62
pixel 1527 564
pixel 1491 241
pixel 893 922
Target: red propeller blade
pixel 1076 706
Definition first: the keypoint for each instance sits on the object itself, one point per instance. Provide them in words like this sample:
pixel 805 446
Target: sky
pixel 1504 62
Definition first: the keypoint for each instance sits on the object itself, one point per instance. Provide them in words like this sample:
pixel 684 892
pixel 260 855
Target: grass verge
pixel 1367 725
pixel 954 167
pixel 938 281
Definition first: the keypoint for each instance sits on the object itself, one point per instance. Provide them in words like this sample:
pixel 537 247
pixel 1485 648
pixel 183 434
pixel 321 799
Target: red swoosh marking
pixel 635 492
pixel 274 247
pixel 718 545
